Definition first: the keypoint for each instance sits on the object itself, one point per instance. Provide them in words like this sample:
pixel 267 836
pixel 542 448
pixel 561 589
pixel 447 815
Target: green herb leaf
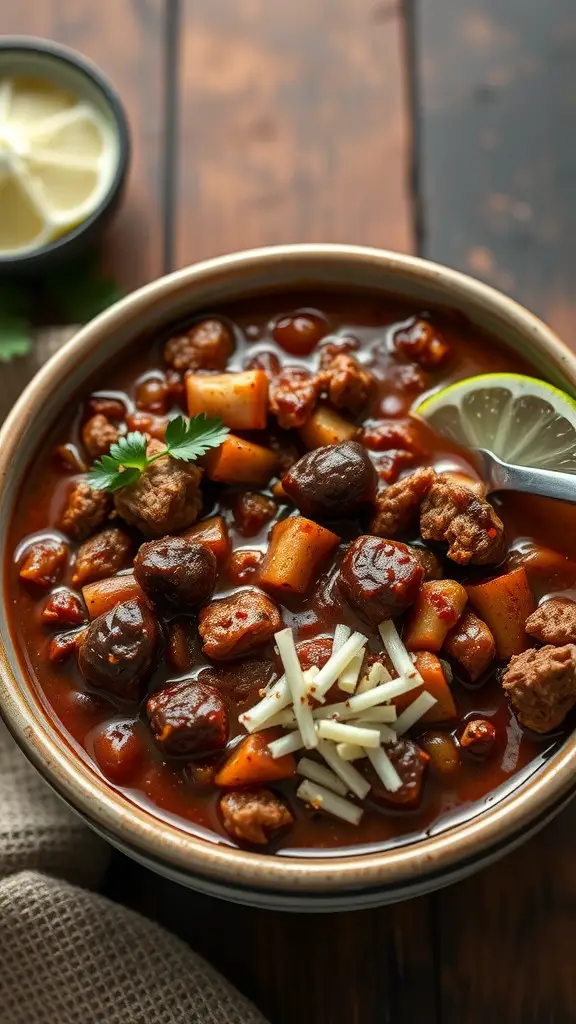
pixel 130 451
pixel 105 475
pixel 188 439
pixel 15 337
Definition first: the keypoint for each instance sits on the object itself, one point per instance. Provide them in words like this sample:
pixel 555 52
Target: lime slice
pixel 58 157
pixel 524 421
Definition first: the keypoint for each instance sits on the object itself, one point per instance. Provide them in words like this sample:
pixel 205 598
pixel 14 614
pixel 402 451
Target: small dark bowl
pixel 43 59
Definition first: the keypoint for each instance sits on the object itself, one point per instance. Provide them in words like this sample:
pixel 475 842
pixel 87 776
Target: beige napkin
pixel 70 956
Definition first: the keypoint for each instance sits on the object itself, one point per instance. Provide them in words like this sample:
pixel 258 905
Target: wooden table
pixel 444 127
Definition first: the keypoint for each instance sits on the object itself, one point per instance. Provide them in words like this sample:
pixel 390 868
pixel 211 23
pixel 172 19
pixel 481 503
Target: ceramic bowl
pixel 293 883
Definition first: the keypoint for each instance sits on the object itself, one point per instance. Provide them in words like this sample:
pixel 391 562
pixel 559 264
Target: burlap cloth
pixel 70 956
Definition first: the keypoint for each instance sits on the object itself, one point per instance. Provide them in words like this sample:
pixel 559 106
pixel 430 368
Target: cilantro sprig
pixel 186 439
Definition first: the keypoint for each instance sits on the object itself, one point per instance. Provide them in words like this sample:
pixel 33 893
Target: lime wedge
pixel 524 421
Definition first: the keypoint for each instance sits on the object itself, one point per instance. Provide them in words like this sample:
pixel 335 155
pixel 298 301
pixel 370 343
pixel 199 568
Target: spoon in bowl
pixel 501 476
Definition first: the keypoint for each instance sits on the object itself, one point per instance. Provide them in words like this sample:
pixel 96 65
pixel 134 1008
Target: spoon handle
pixel 548 483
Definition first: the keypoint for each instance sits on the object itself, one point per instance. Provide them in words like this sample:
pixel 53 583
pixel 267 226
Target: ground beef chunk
pixel 44 563
pixel 398 505
pixel 554 622
pixel 243 682
pixel 432 565
pixel 98 433
pixel 411 763
pixel 208 345
pixel 188 719
pixel 101 556
pixel 422 343
pixel 63 608
pixel 118 649
pixel 165 498
pixel 381 578
pixel 333 480
pixel 293 395
pixel 254 815
pixel 86 509
pixel 541 686
pixel 465 521
pixel 148 423
pixel 347 384
pixel 252 512
pixel 237 624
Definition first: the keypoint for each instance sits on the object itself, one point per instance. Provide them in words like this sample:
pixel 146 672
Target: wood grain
pixel 497 108
pixel 292 126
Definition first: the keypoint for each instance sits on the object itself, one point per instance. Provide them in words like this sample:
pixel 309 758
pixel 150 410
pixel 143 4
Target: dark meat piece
pixel 243 682
pixel 119 751
pixel 188 719
pixel 381 578
pixel 541 686
pixel 252 512
pixel 285 449
pixel 101 556
pixel 479 737
pixel 293 395
pixel 178 650
pixel 432 565
pixel 237 624
pixel 165 498
pixel 152 395
pixel 176 571
pixel 63 608
pixel 264 360
pixel 470 642
pixel 314 652
pixel 408 379
pixel 422 343
pixel 44 563
pixel 392 463
pixel 411 763
pixel 208 345
pixel 254 816
pixel 244 565
pixel 332 481
pixel 86 509
pixel 442 750
pixel 63 645
pixel 387 435
pixel 299 333
pixel 112 408
pixel 554 622
pixel 148 423
pixel 68 458
pixel 397 506
pixel 465 521
pixel 98 433
pixel 118 648
pixel 347 384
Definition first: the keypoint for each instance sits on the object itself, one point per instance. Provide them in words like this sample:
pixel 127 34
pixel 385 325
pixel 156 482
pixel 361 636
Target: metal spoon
pixel 500 476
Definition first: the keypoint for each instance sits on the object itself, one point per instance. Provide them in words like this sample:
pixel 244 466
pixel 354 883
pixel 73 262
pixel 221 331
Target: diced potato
pixel 295 553
pixel 103 595
pixel 239 399
pixel 442 751
pixel 212 532
pixel 438 607
pixel 432 673
pixel 251 764
pixel 326 426
pixel 471 644
pixel 240 462
pixel 505 603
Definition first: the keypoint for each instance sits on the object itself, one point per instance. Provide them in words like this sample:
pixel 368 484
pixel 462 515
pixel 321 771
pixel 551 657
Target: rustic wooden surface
pixel 439 126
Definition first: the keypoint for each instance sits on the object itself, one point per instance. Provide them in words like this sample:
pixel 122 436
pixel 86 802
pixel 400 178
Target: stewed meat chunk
pixel 431 564
pixel 44 563
pixel 293 395
pixel 237 624
pixel 471 644
pixel 346 383
pixel 541 686
pixel 411 763
pixel 422 343
pixel 63 608
pixel 165 498
pixel 208 345
pixel 242 681
pixel 117 651
pixel 381 578
pixel 254 815
pixel 176 572
pixel 86 510
pixel 188 719
pixel 331 481
pixel 465 521
pixel 252 511
pixel 102 555
pixel 554 622
pixel 479 737
pixel 397 506
pixel 98 433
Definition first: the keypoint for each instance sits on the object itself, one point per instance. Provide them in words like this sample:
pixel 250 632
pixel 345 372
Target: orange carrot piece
pixel 251 764
pixel 432 673
pixel 326 426
pixel 239 399
pixel 103 595
pixel 505 603
pixel 296 550
pixel 240 462
pixel 438 607
pixel 212 532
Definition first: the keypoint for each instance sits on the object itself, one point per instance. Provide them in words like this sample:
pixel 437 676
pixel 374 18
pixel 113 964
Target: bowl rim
pixel 163 842
pixel 90 70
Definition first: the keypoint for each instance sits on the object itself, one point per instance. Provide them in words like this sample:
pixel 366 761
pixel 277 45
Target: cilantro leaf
pixel 15 337
pixel 106 475
pixel 130 451
pixel 188 439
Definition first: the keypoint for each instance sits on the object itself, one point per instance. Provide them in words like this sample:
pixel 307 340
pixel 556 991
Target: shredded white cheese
pixel 319 773
pixel 323 800
pixel 377 674
pixel 397 652
pixel 341 634
pixel 382 713
pixel 387 735
pixel 297 685
pixel 337 663
pixel 413 712
pixel 350 776
pixel 341 732
pixel 384 769
pixel 277 698
pixel 359 703
pixel 350 751
pixel 286 744
pixel 348 679
pixel 285 718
